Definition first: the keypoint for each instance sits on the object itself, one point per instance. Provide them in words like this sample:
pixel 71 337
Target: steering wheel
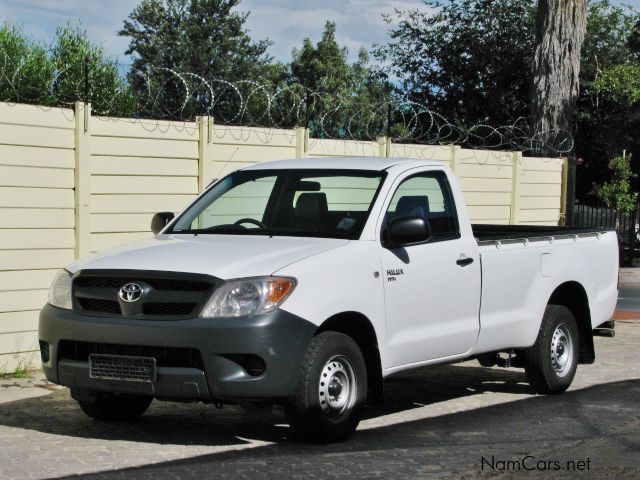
pixel 258 223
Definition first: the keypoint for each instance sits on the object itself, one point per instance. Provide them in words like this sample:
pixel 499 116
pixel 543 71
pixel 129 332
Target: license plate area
pixel 122 368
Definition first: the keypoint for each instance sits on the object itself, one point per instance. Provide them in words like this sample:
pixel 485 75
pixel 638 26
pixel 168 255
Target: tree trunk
pixel 560 31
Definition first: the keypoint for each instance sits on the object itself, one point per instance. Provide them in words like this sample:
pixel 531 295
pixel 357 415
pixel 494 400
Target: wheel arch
pixel 573 296
pixel 357 326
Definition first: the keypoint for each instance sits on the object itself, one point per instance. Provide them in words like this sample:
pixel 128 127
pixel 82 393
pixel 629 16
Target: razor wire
pixel 167 94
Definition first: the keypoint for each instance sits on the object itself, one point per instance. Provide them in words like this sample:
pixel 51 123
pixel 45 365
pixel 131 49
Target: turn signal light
pixel 279 289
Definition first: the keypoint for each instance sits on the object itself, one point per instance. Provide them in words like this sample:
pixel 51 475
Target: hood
pixel 222 256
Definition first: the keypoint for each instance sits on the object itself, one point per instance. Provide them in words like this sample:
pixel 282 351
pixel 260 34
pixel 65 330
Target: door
pixel 432 290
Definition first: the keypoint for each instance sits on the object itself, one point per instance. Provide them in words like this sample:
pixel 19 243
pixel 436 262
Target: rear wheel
pixel 116 407
pixel 488 359
pixel 331 392
pixel 551 362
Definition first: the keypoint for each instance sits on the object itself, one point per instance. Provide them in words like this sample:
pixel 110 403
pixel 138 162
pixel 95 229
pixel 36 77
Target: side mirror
pixel 405 231
pixel 161 220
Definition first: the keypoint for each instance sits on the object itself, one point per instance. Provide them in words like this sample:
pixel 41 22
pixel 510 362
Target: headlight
pixel 60 291
pixel 249 296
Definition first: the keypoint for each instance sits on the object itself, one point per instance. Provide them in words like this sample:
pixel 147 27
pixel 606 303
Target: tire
pixel 327 404
pixel 115 407
pixel 488 359
pixel 550 364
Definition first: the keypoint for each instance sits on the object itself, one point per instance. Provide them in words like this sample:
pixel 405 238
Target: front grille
pixel 165 356
pixel 165 295
pixel 129 369
pixel 156 283
pixel 99 306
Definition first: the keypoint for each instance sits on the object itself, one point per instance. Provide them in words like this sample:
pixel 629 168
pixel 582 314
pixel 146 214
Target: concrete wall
pixel 72 183
pixel 36 218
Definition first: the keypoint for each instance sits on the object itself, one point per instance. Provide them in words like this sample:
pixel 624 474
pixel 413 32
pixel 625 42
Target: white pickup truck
pixel 308 282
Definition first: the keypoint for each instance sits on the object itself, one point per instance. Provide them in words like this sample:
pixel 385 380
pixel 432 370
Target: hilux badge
pixel 131 292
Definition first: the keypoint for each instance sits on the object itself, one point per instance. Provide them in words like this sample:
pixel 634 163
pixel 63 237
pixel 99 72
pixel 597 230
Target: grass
pixel 23 369
pixel 21 372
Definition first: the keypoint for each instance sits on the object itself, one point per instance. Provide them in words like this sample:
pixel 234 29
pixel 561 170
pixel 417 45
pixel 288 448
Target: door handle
pixel 463 262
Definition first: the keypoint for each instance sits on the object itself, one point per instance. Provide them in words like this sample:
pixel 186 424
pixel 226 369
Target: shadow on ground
pixel 198 424
pixel 601 423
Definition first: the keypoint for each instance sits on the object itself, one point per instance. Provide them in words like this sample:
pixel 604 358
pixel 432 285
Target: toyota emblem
pixel 131 292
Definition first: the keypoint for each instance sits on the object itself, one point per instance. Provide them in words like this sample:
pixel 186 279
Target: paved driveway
pixel 629 295
pixel 439 422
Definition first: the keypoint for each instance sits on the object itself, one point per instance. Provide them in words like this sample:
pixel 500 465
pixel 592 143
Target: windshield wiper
pixel 218 229
pixel 310 233
pixel 271 232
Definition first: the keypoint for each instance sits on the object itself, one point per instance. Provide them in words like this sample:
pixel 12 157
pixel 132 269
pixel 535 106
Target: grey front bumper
pixel 279 338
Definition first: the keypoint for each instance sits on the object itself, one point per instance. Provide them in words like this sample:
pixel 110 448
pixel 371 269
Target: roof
pixel 342 163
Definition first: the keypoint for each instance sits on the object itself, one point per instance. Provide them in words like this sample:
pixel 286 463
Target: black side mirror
pixel 161 220
pixel 405 231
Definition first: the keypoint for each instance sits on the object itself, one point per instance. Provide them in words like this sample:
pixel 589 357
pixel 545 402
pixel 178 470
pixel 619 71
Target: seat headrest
pixel 312 206
pixel 412 206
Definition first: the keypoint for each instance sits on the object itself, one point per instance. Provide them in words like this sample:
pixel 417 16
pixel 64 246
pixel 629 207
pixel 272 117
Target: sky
pixel 286 22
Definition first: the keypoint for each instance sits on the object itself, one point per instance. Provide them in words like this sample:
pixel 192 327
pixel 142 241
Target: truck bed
pixel 492 233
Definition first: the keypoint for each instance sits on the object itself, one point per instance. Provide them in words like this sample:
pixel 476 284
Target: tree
pixel 180 49
pixel 606 122
pixel 73 55
pixel 622 81
pixel 468 60
pixel 341 99
pixel 26 68
pixel 323 67
pixel 560 31
pixel 617 193
pixel 54 75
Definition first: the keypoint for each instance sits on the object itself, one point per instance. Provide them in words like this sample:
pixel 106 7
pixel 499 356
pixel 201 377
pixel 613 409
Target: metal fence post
pixel 632 237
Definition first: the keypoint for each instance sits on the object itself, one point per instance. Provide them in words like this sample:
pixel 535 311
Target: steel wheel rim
pixel 561 350
pixel 337 388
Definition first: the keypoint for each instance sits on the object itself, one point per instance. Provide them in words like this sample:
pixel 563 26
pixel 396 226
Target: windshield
pixel 318 203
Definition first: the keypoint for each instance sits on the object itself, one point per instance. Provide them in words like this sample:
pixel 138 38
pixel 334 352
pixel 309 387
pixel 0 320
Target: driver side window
pixel 427 195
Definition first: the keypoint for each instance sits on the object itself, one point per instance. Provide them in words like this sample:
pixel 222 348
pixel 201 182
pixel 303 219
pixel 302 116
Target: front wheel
pixel 114 407
pixel 332 389
pixel 550 364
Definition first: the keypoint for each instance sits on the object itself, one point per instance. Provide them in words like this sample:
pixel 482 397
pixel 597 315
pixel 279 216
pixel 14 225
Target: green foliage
pixel 54 75
pixel 606 124
pixel 322 67
pixel 623 81
pixel 619 52
pixel 21 372
pixel 26 68
pixel 465 59
pixel 634 38
pixel 617 192
pixel 471 62
pixel 202 37
pixel 351 93
pixel 71 53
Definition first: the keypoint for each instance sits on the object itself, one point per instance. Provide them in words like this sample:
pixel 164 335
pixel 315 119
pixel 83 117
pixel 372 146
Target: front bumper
pixel 279 338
